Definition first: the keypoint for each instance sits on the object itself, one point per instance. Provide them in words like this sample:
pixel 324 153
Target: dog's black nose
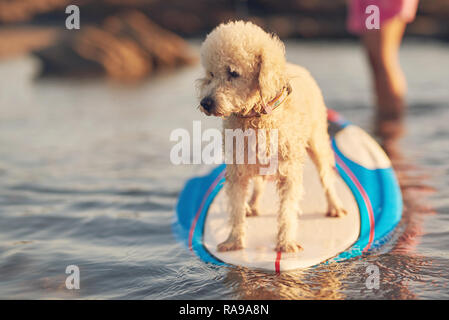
pixel 207 103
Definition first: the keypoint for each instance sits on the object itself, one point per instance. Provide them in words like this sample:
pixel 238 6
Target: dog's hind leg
pixel 236 187
pixel 322 155
pixel 252 209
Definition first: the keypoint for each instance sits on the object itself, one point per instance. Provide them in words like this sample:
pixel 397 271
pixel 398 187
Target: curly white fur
pixel 245 68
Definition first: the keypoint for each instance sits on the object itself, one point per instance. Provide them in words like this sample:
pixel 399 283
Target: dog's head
pixel 244 69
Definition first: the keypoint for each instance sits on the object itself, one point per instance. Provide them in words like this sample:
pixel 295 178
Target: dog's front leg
pixel 290 191
pixel 236 189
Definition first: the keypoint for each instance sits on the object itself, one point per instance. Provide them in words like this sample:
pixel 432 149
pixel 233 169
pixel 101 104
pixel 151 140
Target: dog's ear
pixel 272 69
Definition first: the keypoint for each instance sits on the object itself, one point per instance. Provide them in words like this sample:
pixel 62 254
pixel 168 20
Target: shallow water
pixel 85 179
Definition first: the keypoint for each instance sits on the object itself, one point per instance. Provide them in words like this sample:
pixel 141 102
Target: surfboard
pixel 366 184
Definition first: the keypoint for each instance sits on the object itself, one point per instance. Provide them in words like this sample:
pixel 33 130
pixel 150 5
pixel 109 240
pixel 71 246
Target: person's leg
pixel 382 48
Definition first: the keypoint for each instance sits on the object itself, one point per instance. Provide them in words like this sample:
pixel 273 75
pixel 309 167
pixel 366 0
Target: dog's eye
pixel 211 74
pixel 233 74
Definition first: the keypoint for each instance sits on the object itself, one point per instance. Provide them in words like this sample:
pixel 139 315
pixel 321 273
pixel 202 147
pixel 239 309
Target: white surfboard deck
pixel 321 237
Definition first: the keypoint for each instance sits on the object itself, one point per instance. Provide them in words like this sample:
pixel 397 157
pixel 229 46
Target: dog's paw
pixel 289 247
pixel 251 212
pixel 230 245
pixel 337 212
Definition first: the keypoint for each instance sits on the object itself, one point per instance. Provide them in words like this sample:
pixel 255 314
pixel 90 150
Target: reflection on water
pixel 86 180
pixel 414 191
pixel 323 283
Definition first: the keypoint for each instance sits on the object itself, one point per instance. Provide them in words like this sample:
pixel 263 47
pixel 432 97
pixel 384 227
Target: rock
pixel 126 47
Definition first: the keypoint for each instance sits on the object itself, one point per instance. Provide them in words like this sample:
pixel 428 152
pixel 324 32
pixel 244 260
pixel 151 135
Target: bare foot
pixel 337 212
pixel 289 247
pixel 230 245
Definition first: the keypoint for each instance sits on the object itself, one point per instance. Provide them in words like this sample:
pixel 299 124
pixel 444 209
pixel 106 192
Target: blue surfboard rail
pixel 376 192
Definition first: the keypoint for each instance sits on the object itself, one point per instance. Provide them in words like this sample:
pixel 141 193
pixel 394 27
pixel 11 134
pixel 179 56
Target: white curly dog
pixel 250 85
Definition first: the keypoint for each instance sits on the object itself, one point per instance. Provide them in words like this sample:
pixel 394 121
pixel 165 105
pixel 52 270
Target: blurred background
pixel 132 39
pixel 85 174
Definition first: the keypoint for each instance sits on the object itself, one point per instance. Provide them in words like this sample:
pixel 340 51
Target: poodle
pixel 250 85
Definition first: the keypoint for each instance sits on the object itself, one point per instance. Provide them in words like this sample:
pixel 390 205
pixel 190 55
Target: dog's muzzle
pixel 208 104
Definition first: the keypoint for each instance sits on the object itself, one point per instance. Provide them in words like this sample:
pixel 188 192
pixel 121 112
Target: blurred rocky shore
pixel 132 39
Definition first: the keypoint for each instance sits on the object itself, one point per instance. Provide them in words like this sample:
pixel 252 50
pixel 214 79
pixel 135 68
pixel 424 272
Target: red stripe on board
pixel 365 198
pixel 277 263
pixel 197 215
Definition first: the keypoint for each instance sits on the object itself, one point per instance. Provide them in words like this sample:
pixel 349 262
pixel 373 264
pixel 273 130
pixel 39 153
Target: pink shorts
pixel 357 16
